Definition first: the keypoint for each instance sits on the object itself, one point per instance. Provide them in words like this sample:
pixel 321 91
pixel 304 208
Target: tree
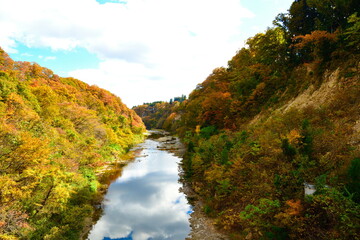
pixel 269 48
pixel 352 33
pixel 320 44
pixel 333 14
pixel 301 18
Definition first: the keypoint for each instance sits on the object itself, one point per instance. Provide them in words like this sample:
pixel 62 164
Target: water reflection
pixel 145 202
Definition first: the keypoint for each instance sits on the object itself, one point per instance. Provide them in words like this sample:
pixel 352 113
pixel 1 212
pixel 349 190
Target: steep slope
pixel 252 171
pixel 253 178
pixel 280 121
pixel 54 133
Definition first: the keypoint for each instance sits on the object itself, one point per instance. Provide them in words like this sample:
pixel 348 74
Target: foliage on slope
pixel 54 133
pixel 283 114
pixel 160 114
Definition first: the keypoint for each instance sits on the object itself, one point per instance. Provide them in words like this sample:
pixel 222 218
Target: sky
pixel 140 50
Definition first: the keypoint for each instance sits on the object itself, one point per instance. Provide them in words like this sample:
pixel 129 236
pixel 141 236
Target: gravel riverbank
pixel 202 227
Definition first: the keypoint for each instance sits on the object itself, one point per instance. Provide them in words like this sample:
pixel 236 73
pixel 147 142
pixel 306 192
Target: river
pixel 145 201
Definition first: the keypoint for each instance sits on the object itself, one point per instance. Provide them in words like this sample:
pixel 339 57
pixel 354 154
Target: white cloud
pixel 136 83
pixel 151 49
pixel 7 30
pixel 26 54
pixel 49 58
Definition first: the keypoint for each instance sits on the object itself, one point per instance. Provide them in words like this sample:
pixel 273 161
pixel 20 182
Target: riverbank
pixel 202 227
pixel 144 201
pixel 105 176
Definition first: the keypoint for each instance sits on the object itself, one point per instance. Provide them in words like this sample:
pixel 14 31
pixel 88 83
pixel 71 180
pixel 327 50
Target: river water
pixel 145 203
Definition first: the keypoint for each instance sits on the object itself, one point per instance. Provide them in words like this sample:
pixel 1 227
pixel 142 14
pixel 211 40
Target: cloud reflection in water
pixel 145 202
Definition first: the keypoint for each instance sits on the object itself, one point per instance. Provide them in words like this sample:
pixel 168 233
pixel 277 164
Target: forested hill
pixel 54 133
pixel 282 117
pixel 157 114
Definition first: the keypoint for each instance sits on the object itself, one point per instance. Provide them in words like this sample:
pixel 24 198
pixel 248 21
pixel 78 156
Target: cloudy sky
pixel 141 50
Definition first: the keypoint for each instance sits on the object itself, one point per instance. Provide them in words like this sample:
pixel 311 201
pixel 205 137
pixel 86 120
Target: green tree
pixel 301 18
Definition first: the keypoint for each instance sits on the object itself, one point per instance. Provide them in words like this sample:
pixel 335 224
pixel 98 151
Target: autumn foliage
pixel 54 133
pixel 256 136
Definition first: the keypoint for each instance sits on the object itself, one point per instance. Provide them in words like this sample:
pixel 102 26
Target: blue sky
pixel 61 62
pixel 141 50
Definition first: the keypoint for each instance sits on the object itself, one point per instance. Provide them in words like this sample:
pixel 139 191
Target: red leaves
pixel 316 37
pixel 295 207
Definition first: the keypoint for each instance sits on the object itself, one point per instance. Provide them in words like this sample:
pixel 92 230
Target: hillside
pixel 157 114
pixel 282 117
pixel 54 134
